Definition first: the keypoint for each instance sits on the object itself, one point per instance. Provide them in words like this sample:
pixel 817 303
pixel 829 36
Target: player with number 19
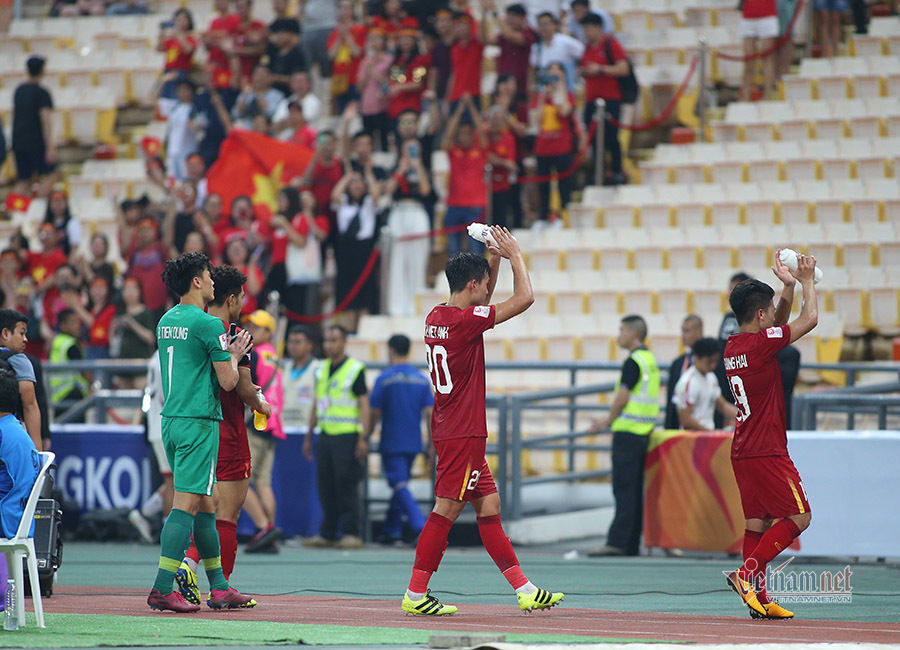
pixel 196 360
pixel 775 505
pixel 454 351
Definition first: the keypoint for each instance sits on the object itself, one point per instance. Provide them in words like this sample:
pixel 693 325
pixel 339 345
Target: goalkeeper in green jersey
pixel 196 359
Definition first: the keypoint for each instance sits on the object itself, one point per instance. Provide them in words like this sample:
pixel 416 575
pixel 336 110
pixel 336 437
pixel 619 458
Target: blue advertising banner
pixel 104 466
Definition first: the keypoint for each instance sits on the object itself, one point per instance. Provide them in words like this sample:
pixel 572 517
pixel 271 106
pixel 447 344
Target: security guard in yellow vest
pixel 342 418
pixel 631 418
pixel 64 347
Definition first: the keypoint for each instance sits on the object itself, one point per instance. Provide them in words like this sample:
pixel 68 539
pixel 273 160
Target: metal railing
pixel 104 369
pixel 855 401
pixel 569 441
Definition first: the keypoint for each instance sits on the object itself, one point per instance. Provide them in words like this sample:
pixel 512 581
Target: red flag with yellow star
pixel 257 166
pixel 17 202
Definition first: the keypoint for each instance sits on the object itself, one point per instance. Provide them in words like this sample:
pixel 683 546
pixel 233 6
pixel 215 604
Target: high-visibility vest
pixel 337 408
pixel 639 414
pixel 63 383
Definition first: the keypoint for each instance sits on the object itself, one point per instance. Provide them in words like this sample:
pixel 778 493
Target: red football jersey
pixel 454 350
pixel 232 430
pixel 755 380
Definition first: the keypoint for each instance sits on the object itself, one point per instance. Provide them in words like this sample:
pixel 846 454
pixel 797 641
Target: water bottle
pixel 12 616
pixel 481 232
pixel 260 420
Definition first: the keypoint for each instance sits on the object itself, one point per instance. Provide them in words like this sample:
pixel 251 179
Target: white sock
pixel 153 505
pixel 190 562
pixel 414 596
pixel 526 589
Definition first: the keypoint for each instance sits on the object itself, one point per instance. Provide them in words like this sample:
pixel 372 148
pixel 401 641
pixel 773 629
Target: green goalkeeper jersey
pixel 190 341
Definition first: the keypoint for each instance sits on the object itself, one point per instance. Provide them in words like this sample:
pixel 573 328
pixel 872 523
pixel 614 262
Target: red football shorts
pixel 770 487
pixel 462 471
pixel 234 454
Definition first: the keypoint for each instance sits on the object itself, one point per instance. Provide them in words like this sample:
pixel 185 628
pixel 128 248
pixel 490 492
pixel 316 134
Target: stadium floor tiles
pixel 351 599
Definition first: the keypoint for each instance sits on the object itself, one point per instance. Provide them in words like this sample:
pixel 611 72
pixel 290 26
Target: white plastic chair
pixel 23 546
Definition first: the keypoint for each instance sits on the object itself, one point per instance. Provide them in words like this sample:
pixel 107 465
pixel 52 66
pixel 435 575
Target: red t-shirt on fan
pixel 755 380
pixel 602 85
pixel 759 9
pixel 466 185
pixel 455 352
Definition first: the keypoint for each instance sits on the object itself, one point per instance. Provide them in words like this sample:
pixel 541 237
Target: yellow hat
pixel 262 319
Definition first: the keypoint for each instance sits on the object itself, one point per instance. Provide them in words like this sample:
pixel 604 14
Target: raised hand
pixel 806 269
pixel 507 246
pixel 240 345
pixel 781 271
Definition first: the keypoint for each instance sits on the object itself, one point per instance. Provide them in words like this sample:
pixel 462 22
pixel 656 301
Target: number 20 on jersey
pixel 438 370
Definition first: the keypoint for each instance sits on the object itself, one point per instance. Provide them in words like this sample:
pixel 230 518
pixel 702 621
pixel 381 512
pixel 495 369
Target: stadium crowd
pixel 404 80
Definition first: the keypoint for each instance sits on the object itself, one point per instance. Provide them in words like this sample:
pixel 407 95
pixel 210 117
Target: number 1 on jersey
pixel 740 398
pixel 437 365
pixel 170 354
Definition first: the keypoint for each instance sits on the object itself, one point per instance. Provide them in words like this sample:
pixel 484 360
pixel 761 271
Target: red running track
pixel 322 610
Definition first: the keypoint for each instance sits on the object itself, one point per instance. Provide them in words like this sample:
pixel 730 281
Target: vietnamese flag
pixel 257 166
pixel 17 202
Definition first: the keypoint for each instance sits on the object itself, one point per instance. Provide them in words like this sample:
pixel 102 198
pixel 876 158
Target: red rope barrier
pixel 366 272
pixel 572 169
pixel 779 43
pixel 667 111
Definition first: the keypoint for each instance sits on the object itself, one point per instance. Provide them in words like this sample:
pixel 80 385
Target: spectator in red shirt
pixel 373 79
pixel 98 316
pixel 298 231
pixel 390 20
pixel 439 49
pixel 466 147
pixel 552 114
pixel 42 266
pixel 515 40
pixel 601 82
pixel 502 157
pixel 408 75
pixel 759 29
pixel 219 45
pixel 146 259
pixel 465 56
pixel 179 44
pixel 299 131
pixel 346 47
pixel 324 170
pixel 249 40
pixel 237 254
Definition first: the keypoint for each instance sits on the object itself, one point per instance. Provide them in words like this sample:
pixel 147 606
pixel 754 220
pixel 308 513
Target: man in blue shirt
pixel 400 398
pixel 19 459
pixel 13 326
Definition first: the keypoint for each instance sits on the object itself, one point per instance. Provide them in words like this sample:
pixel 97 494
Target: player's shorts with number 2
pixel 462 471
pixel 770 487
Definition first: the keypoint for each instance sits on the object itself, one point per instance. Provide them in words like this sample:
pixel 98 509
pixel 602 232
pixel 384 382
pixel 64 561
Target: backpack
pixel 628 85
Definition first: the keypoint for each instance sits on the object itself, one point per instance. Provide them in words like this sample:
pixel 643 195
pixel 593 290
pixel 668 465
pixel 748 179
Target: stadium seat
pixel 863 45
pixel 885 305
pixel 853 305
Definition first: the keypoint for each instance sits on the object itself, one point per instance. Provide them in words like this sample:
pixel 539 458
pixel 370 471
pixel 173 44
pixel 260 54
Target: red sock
pixel 429 551
pixel 751 541
pixel 227 545
pixel 773 542
pixel 192 551
pixel 500 549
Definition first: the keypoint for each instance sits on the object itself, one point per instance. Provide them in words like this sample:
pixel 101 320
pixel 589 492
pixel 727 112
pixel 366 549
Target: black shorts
pixel 32 161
